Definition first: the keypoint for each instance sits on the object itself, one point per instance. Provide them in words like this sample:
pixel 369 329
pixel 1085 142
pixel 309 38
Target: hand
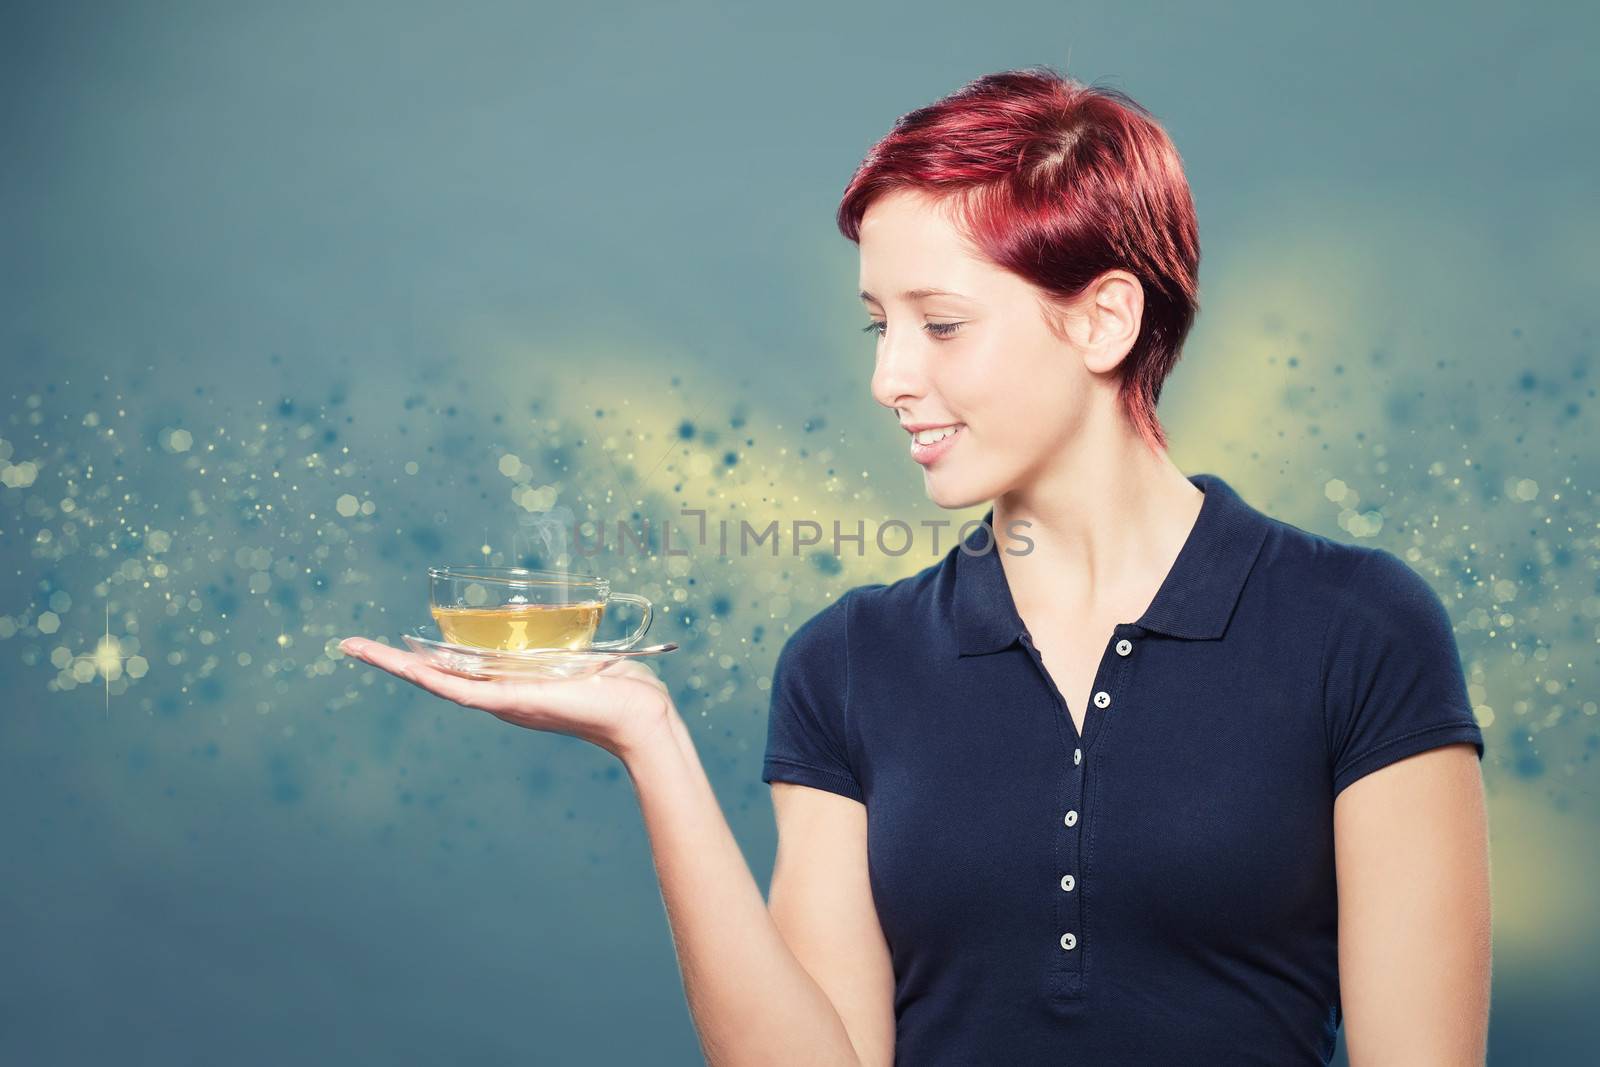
pixel 618 708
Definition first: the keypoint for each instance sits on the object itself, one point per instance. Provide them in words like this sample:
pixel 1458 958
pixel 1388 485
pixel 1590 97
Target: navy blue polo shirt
pixel 1161 889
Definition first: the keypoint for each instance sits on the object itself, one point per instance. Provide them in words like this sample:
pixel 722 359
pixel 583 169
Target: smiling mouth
pixel 936 434
pixel 928 445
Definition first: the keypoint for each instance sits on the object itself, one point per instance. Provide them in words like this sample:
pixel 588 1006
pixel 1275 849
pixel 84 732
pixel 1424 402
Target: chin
pixel 953 494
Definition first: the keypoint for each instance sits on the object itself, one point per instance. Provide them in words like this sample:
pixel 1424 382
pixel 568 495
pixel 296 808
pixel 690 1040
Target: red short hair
pixel 1056 182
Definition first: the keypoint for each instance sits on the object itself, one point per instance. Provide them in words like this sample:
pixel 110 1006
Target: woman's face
pixel 979 356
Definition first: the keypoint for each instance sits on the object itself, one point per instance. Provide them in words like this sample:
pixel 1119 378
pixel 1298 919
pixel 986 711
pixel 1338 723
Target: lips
pixel 929 435
pixel 930 453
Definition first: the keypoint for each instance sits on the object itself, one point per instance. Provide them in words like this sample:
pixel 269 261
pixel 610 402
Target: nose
pixel 898 376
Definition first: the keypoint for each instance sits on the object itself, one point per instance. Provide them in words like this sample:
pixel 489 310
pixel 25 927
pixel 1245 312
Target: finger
pixel 488 694
pixel 380 655
pixel 539 703
pixel 442 683
pixel 409 667
pixel 406 666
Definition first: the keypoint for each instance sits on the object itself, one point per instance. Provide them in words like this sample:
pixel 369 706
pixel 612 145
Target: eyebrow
pixel 914 294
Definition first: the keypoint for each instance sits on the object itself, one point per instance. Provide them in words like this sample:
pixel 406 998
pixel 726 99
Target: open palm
pixel 616 708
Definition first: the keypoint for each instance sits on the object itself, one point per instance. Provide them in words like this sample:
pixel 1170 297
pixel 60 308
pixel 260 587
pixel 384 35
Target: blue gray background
pixel 297 299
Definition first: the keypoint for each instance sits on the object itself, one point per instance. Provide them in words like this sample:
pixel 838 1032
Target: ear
pixel 1102 322
pixel 1113 308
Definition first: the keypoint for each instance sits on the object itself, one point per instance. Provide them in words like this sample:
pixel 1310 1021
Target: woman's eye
pixel 938 329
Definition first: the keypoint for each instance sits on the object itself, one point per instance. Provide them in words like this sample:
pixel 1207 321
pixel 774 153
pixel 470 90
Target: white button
pixel 1124 647
pixel 1072 818
pixel 1067 882
pixel 1102 698
pixel 1069 941
pixel 1077 756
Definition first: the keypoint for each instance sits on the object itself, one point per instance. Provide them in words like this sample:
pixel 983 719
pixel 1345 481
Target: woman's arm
pixel 1411 845
pixel 752 1001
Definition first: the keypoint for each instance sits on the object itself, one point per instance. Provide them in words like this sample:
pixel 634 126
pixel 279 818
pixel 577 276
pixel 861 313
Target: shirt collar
pixel 1194 602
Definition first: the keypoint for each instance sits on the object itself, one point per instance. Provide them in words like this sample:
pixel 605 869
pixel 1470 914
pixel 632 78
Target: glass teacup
pixel 512 609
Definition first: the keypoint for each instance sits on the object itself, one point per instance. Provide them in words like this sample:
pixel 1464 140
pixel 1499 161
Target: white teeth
pixel 928 437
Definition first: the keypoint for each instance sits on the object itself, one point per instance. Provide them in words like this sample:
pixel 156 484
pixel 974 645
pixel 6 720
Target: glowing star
pixel 108 658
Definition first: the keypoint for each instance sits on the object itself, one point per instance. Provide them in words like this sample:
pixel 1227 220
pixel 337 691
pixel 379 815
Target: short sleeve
pixel 806 725
pixel 1394 685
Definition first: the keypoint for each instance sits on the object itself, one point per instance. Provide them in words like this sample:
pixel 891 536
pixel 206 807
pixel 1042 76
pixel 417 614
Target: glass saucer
pixel 473 662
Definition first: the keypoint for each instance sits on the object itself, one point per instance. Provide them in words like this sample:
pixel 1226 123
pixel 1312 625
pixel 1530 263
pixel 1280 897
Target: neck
pixel 1107 517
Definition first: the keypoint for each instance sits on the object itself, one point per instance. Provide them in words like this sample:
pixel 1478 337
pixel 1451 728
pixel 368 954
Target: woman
pixel 1135 774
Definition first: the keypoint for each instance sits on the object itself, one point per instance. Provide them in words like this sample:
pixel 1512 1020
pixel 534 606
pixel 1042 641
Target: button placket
pixel 1071 913
pixel 1070 907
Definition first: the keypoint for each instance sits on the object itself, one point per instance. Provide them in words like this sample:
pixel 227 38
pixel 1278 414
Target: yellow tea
pixel 515 627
